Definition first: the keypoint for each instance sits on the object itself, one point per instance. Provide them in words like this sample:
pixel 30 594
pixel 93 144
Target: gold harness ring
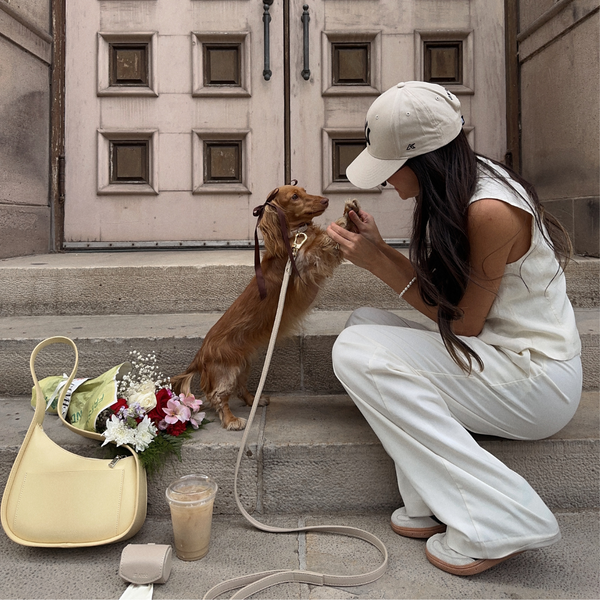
pixel 298 244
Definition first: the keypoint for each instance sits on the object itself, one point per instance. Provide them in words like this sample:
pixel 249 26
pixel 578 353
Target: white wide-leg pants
pixel 422 406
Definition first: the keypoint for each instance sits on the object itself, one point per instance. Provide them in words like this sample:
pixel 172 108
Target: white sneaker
pixel 415 527
pixel 443 557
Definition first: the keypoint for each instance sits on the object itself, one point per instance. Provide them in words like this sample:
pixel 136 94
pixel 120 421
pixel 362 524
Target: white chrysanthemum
pixel 143 394
pixel 144 434
pixel 118 432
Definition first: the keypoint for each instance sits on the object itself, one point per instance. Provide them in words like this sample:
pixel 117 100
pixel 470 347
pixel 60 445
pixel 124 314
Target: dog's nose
pixel 324 201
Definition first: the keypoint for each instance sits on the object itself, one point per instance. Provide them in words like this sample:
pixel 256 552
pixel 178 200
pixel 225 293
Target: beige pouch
pixel 146 563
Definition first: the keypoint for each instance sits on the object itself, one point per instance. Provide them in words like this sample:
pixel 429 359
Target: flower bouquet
pixel 148 415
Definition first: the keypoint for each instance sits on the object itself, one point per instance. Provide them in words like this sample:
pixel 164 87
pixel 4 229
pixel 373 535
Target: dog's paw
pixel 345 221
pixel 236 424
pixel 248 399
pixel 264 401
pixel 351 205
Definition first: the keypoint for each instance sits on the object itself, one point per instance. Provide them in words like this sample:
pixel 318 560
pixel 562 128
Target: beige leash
pixel 256 582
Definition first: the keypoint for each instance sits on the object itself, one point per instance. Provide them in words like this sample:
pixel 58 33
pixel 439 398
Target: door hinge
pixel 61 179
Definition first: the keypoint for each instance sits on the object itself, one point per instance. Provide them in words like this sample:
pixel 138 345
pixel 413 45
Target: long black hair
pixel 439 248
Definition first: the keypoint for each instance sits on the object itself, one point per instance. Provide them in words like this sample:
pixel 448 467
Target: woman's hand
pixel 359 248
pixel 368 250
pixel 365 223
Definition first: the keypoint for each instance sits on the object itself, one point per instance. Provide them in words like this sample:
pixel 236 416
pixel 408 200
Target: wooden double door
pixel 182 115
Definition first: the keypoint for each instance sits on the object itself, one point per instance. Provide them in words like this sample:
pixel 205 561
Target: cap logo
pixel 368 133
pixel 410 147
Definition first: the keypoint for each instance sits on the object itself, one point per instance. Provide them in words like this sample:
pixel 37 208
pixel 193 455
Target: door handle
pixel 267 43
pixel 305 20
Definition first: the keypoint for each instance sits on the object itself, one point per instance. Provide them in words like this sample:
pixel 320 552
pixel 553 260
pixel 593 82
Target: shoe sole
pixel 473 568
pixel 418 532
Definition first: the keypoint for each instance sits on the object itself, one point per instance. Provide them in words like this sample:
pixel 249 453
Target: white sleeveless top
pixel 531 312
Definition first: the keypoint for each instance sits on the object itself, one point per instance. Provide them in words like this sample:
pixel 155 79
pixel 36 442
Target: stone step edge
pixel 311 452
pixel 197 324
pixel 171 258
pixel 127 284
pixel 302 363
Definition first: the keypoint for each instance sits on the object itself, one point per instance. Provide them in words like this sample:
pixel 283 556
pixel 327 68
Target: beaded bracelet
pixel 406 288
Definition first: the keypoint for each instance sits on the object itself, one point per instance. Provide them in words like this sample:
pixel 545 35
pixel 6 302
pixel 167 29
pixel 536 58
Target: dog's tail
pixel 182 384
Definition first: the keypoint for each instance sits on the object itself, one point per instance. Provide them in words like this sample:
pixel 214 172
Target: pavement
pixel 568 569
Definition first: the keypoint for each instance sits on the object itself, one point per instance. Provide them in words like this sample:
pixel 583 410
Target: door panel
pixel 395 36
pixel 348 71
pixel 213 128
pixel 173 134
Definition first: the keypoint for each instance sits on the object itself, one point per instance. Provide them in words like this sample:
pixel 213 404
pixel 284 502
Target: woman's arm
pixel 368 250
pixel 498 234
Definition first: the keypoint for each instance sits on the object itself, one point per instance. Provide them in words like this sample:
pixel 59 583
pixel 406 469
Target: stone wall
pixel 559 66
pixel 25 58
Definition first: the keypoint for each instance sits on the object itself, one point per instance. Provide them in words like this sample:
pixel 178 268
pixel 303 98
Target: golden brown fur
pixel 225 357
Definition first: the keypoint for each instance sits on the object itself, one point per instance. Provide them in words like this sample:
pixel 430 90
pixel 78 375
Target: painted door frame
pixel 513 91
pixel 57 126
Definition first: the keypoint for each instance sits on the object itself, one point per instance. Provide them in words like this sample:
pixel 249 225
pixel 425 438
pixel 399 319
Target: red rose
pixel 163 395
pixel 118 405
pixel 157 414
pixel 176 428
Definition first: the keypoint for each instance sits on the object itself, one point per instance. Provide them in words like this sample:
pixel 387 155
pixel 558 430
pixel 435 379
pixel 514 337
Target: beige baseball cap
pixel 408 120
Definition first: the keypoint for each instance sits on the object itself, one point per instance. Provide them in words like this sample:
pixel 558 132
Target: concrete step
pixel 300 364
pixel 310 452
pixel 191 281
pixel 317 454
pixel 568 569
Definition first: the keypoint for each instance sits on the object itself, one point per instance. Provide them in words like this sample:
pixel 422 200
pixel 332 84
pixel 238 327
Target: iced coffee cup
pixel 191 501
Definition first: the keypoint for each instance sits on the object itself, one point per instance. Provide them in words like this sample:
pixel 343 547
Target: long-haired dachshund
pixel 225 357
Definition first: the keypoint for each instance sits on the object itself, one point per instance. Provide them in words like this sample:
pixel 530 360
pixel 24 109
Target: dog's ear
pixel 272 195
pixel 270 228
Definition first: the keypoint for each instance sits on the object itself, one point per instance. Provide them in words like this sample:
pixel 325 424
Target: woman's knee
pixel 360 316
pixel 339 352
pixel 345 356
pixel 368 315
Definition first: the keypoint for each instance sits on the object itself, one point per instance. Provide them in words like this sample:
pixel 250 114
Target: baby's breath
pixel 143 369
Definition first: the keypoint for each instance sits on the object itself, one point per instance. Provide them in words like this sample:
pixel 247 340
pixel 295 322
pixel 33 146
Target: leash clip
pixel 298 244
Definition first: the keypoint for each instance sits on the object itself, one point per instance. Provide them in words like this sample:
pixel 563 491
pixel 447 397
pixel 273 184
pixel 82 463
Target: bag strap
pixel 40 407
pixel 251 584
pixel 40 403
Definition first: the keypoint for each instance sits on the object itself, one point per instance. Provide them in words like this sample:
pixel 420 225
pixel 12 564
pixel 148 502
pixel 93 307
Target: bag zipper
pixel 115 460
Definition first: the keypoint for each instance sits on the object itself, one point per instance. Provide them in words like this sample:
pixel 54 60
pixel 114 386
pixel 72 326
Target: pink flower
pixel 196 419
pixel 176 411
pixel 191 402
